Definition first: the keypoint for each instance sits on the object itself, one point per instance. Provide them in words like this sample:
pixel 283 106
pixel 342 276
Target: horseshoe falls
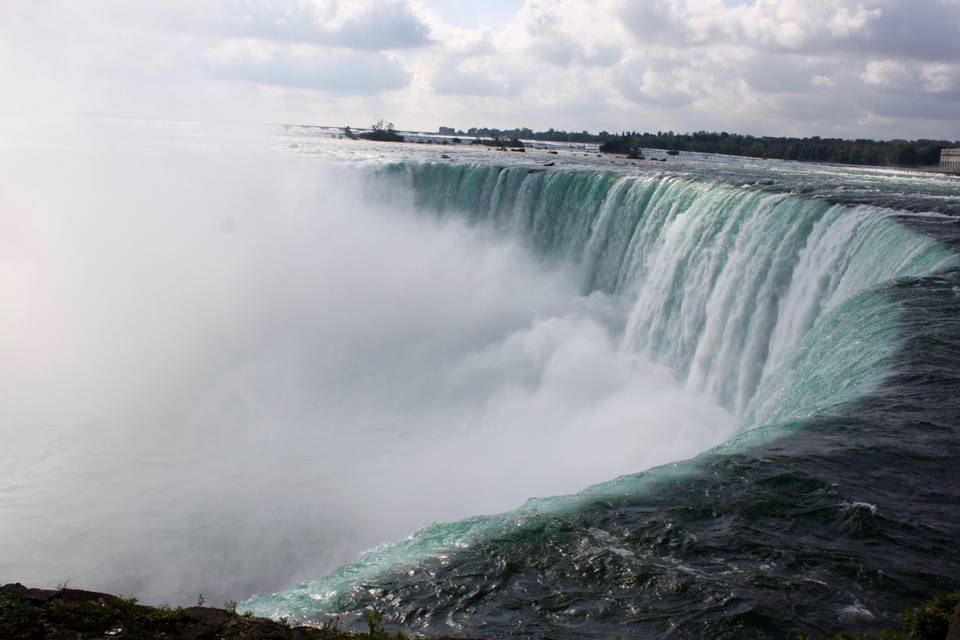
pixel 491 395
pixel 827 329
pixel 722 283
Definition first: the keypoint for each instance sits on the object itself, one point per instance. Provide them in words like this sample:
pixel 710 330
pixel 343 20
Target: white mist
pixel 226 371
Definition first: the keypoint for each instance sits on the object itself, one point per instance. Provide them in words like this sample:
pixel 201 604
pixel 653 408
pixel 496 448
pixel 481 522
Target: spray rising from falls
pixel 768 303
pixel 226 373
pixel 724 282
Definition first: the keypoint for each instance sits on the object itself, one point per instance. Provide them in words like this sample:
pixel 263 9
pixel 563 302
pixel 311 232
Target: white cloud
pixel 308 67
pixel 473 78
pixel 658 81
pixel 940 77
pixel 904 76
pixel 383 25
pixel 655 20
pixel 852 21
pixel 564 33
pixel 823 81
pixel 360 24
pixel 877 68
pixel 888 74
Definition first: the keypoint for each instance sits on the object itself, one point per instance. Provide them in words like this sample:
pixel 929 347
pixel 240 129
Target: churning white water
pixel 225 372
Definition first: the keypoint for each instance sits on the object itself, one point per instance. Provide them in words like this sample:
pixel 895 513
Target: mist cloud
pixel 228 371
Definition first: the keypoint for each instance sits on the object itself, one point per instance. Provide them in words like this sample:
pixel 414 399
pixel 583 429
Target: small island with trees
pixel 379 131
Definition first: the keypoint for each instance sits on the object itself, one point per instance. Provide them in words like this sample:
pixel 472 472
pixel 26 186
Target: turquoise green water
pixel 771 304
pixel 725 282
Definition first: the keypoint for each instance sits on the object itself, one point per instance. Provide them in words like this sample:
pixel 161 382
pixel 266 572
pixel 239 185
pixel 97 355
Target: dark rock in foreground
pixel 72 614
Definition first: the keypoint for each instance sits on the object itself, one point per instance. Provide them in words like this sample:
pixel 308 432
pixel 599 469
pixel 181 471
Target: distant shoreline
pixel 916 155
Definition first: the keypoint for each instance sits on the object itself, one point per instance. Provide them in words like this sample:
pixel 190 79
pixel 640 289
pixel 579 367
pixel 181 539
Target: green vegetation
pixel 903 153
pixel 816 149
pixel 500 143
pixel 374 621
pixel 931 621
pixel 550 135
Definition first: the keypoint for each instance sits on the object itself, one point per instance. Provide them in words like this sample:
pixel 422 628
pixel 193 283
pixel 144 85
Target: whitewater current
pixel 827 327
pixel 689 396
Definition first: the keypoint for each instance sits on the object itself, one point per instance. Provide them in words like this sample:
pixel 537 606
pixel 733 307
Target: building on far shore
pixel 447 131
pixel 950 158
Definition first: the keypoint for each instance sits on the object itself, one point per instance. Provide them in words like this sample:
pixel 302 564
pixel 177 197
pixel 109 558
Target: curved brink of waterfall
pixel 785 310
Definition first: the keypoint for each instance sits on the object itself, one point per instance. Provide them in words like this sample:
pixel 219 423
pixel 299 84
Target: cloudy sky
pixel 876 68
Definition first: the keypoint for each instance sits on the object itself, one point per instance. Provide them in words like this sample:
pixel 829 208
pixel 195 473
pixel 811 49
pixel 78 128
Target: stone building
pixel 950 158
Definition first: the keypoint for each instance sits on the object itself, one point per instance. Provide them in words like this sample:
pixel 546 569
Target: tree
pixel 905 155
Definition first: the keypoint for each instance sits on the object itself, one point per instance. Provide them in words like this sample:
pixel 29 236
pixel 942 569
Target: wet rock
pixel 954 632
pixel 208 615
pixel 72 614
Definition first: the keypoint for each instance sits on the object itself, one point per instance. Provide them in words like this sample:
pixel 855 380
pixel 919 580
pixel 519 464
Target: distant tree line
pixel 814 149
pixel 550 135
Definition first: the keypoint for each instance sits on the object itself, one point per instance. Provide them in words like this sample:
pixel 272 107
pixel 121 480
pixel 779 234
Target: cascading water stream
pixel 771 304
pixel 724 281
